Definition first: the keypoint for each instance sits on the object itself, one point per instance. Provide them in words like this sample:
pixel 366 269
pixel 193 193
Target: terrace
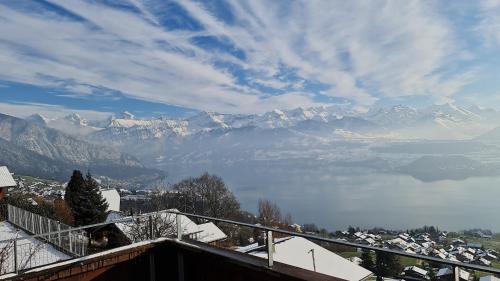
pixel 181 258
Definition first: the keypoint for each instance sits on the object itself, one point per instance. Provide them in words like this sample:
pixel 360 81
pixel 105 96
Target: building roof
pixel 447 271
pixel 416 269
pixel 40 253
pixel 210 233
pixel 112 197
pixel 489 278
pixel 296 251
pixel 207 232
pixel 6 179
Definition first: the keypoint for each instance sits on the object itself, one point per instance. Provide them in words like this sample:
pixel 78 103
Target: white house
pixel 415 272
pixel 6 181
pixel 112 197
pixel 445 272
pixel 300 252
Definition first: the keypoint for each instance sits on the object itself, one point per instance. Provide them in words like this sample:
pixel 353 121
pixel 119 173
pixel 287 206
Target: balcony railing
pixel 269 231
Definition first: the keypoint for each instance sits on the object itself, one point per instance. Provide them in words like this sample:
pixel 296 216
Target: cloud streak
pixel 355 50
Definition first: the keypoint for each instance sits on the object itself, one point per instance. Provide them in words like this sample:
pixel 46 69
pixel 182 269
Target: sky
pixel 160 57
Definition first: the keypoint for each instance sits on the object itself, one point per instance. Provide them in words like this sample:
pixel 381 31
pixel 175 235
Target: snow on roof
pixel 447 271
pixel 210 233
pixel 416 269
pixel 443 271
pixel 6 179
pixel 207 232
pixel 248 248
pixel 489 278
pixel 296 251
pixel 113 215
pixel 113 198
pixel 41 253
pixel 187 225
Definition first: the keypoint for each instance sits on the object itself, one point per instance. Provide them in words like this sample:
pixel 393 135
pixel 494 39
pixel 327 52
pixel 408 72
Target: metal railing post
pixel 15 257
pixel 50 230
pixel 456 273
pixel 40 224
pixel 70 242
pixel 270 246
pixel 150 226
pixel 59 233
pixel 32 224
pixel 179 226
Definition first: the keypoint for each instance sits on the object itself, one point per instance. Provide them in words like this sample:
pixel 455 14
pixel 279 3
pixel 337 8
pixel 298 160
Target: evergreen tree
pixel 85 199
pixel 387 265
pixel 73 190
pixel 367 260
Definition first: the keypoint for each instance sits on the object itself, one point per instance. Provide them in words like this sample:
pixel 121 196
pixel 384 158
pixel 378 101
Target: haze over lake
pixel 335 198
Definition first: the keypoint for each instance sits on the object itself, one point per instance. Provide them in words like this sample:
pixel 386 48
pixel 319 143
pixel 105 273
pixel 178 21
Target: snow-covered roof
pixel 489 278
pixel 6 179
pixel 447 271
pixel 113 198
pixel 443 272
pixel 41 253
pixel 188 226
pixel 210 233
pixel 296 251
pixel 207 232
pixel 416 269
pixel 113 215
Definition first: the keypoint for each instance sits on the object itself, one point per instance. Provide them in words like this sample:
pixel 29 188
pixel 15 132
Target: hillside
pixel 34 149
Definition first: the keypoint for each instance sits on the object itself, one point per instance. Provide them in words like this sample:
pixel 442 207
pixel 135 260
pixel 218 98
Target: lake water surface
pixel 336 198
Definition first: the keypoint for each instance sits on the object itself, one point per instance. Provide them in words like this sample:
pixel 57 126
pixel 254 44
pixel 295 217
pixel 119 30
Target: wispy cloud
pixel 355 50
pixel 23 110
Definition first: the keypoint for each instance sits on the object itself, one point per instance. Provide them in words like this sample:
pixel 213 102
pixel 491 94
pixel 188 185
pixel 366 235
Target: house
pixel 302 253
pixel 130 229
pixel 32 252
pixel 6 181
pixel 356 260
pixel 446 273
pixel 415 273
pixel 489 256
pixel 483 261
pixel 465 257
pixel 209 233
pixel 112 197
pixel 457 242
pixel 474 245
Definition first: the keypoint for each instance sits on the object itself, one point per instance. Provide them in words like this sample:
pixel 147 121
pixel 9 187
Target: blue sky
pixel 159 57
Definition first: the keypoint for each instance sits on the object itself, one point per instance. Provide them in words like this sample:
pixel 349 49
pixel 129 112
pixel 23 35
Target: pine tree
pixel 367 260
pixel 387 265
pixel 73 191
pixel 85 199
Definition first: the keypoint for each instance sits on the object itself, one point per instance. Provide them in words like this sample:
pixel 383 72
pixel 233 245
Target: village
pixel 123 228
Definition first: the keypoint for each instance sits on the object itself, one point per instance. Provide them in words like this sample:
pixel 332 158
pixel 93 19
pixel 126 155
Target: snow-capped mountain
pixel 77 120
pixel 38 119
pixel 395 116
pixel 319 132
pixel 26 140
pixel 439 121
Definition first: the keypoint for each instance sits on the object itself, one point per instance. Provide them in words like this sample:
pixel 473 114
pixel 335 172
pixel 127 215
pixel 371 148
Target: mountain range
pixel 445 121
pixel 125 147
pixel 30 147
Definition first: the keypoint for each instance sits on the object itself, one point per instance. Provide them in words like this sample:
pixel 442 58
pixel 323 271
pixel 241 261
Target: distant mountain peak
pixel 76 119
pixel 127 116
pixel 38 119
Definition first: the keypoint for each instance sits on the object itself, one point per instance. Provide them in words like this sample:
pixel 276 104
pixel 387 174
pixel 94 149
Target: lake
pixel 336 197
